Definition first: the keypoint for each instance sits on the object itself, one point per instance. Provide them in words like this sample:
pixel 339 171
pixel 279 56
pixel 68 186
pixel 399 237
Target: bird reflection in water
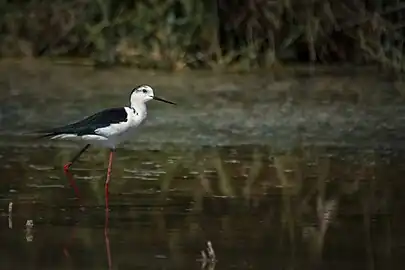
pixel 106 240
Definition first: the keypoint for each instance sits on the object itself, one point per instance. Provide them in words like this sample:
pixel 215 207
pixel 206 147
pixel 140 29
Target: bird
pixel 106 129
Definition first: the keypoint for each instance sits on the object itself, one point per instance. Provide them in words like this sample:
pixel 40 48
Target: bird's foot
pixel 67 166
pixel 69 175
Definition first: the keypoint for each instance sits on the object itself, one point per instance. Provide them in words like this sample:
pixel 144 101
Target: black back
pixel 88 125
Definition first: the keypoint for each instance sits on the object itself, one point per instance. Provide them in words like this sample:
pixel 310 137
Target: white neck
pixel 140 108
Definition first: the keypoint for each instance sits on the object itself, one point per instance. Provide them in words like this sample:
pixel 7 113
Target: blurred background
pixel 286 149
pixel 213 34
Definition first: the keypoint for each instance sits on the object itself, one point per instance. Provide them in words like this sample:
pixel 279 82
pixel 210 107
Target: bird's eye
pixel 144 90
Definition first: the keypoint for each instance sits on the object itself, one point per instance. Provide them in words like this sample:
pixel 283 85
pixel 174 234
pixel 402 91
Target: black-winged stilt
pixel 107 128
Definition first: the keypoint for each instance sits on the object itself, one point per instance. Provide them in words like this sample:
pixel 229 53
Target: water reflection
pixel 208 257
pixel 10 215
pixel 29 235
pixel 303 173
pixel 261 209
pixel 107 246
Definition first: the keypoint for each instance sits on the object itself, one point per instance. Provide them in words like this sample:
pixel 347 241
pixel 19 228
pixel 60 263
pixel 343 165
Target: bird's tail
pixel 40 134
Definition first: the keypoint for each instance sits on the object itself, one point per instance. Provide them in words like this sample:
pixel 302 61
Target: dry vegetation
pixel 214 34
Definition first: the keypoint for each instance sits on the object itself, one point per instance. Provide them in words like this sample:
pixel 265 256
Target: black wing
pixel 88 125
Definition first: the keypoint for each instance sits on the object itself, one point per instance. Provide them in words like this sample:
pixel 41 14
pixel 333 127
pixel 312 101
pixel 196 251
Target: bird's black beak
pixel 163 100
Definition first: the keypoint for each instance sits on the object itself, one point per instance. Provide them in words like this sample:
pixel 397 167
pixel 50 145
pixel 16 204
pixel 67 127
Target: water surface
pixel 287 173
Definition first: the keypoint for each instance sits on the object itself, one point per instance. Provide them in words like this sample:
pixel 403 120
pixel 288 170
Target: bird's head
pixel 144 93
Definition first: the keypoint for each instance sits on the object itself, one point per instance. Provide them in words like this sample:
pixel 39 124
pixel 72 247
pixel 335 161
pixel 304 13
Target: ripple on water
pixel 265 180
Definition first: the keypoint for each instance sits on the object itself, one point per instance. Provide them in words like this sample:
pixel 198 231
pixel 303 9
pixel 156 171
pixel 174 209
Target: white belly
pixel 111 135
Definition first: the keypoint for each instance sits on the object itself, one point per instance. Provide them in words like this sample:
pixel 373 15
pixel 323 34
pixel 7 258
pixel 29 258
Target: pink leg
pixel 70 177
pixel 108 178
pixel 67 166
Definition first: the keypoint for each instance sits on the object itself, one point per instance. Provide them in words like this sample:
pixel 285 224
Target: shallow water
pixel 274 175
